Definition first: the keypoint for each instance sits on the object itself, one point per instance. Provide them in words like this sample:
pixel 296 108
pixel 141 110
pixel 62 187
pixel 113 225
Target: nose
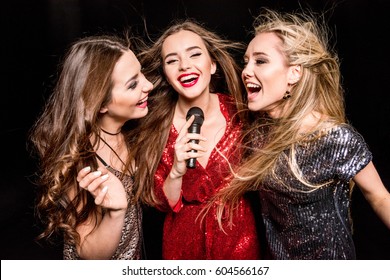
pixel 184 64
pixel 148 86
pixel 247 71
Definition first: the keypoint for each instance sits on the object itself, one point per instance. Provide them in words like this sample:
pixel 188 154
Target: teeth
pixel 254 86
pixel 188 78
pixel 142 101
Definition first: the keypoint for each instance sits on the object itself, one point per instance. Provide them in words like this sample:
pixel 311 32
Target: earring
pixel 287 95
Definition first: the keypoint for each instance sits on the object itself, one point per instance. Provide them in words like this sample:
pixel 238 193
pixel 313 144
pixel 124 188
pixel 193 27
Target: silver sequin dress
pixel 302 223
pixel 130 244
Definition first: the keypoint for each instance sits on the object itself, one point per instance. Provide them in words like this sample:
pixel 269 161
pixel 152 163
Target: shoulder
pixel 227 105
pixel 225 98
pixel 348 150
pixel 346 141
pixel 344 132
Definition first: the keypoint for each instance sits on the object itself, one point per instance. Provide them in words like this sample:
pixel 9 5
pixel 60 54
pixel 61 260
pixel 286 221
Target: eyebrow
pixel 260 53
pixel 256 54
pixel 187 50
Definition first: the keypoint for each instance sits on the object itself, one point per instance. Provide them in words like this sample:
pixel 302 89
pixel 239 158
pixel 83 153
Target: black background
pixel 36 33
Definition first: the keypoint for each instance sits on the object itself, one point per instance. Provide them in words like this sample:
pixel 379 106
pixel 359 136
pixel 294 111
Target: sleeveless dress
pixel 186 237
pixel 306 223
pixel 130 244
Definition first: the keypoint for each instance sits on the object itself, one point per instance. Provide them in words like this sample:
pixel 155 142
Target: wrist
pixel 115 214
pixel 174 175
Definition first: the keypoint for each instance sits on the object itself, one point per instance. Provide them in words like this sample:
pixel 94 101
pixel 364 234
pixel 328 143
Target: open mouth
pixel 142 103
pixel 253 88
pixel 188 80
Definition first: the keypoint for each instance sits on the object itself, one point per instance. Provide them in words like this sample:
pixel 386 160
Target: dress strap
pixel 112 149
pixel 102 161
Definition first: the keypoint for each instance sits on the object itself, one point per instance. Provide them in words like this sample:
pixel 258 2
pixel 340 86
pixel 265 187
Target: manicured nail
pixel 97 173
pixel 105 189
pixel 104 177
pixel 87 169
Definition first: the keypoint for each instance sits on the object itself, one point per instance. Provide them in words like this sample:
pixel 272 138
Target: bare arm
pixel 375 192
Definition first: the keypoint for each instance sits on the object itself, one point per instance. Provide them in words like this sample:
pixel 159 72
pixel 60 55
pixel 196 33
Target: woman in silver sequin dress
pixel 97 209
pixel 303 155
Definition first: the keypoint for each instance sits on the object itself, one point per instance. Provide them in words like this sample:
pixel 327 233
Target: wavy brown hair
pixel 61 136
pixel 154 128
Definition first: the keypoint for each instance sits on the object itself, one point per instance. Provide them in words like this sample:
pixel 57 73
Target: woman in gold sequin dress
pixel 85 127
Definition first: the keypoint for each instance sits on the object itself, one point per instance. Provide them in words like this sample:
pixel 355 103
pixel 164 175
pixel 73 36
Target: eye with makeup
pixel 259 61
pixel 171 60
pixel 194 55
pixel 133 85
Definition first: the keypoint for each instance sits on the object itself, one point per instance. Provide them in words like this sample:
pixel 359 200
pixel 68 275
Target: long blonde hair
pixel 304 43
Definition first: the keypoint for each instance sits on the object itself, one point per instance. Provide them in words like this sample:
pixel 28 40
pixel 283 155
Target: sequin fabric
pixel 303 223
pixel 185 237
pixel 130 244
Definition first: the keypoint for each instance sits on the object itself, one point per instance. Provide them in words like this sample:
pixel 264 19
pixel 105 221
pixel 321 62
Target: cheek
pixel 275 81
pixel 169 75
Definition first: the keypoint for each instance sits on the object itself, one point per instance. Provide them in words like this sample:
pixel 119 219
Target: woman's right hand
pixel 104 186
pixel 183 149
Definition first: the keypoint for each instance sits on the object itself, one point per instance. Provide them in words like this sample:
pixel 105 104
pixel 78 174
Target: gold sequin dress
pixel 130 244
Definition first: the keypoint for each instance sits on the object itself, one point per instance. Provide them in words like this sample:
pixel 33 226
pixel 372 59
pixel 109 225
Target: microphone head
pixel 198 113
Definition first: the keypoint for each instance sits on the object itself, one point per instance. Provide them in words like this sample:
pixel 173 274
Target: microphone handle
pixel 194 128
pixel 191 162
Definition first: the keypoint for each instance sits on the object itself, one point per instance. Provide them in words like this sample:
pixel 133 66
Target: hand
pixel 104 186
pixel 183 149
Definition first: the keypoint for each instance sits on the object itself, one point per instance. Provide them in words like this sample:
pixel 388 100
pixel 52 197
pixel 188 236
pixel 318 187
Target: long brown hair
pixel 154 129
pixel 61 136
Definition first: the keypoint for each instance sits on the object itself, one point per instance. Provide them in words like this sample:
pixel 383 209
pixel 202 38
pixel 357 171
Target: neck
pixel 109 132
pixel 206 103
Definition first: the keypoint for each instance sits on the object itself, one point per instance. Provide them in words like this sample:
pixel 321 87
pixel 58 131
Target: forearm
pixel 172 188
pixel 382 209
pixel 103 241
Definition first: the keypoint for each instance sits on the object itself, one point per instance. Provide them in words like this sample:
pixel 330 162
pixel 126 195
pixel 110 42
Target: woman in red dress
pixel 191 66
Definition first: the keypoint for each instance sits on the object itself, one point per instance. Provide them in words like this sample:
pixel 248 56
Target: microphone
pixel 194 128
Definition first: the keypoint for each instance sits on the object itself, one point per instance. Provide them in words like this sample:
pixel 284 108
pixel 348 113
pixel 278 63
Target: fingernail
pixel 105 189
pixel 97 173
pixel 104 177
pixel 88 168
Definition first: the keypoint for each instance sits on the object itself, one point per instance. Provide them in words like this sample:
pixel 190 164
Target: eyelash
pixel 133 85
pixel 174 60
pixel 196 54
pixel 260 61
pixel 257 61
pixel 171 61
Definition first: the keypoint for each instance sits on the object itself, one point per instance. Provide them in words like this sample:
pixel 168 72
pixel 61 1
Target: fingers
pixel 191 136
pixel 190 142
pixel 193 144
pixel 101 195
pixel 82 173
pixel 91 180
pixel 188 123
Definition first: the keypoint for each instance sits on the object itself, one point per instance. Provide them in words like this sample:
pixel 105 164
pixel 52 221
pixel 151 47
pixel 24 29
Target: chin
pixel 253 107
pixel 144 113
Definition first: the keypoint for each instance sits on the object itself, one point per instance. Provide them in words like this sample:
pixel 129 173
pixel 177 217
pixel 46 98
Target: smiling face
pixel 129 91
pixel 267 75
pixel 187 64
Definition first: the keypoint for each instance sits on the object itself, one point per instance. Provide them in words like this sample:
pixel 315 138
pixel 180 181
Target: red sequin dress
pixel 184 237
